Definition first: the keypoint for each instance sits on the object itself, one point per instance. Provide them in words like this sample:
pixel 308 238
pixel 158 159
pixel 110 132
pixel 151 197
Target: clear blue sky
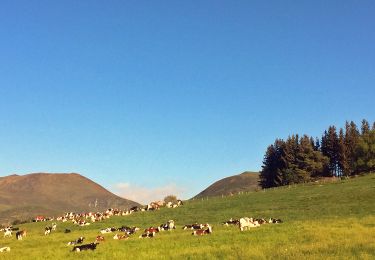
pixel 175 94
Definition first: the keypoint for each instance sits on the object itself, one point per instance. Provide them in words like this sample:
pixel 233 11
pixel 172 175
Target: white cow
pixel 7 232
pixel 247 223
pixel 4 249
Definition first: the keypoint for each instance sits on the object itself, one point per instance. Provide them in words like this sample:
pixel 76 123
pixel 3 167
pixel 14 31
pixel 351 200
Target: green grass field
pixel 321 221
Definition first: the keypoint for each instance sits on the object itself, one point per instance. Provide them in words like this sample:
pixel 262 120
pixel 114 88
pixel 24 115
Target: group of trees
pixel 340 153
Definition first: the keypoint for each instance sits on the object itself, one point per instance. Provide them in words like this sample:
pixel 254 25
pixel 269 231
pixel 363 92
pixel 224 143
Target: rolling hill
pixel 23 197
pixel 321 220
pixel 244 182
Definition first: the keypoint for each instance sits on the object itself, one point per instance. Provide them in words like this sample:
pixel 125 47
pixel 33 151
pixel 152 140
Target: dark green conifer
pixel 364 156
pixel 365 127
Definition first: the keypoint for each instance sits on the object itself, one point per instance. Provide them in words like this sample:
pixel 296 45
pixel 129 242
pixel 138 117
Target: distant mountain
pixel 246 181
pixel 49 194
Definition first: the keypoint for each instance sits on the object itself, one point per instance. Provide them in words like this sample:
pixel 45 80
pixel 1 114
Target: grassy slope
pixel 333 220
pixel 244 182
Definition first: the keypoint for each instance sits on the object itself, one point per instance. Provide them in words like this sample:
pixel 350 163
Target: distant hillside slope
pixel 23 197
pixel 246 181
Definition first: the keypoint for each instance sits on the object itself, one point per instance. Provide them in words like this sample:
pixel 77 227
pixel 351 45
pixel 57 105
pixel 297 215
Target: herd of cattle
pixel 127 232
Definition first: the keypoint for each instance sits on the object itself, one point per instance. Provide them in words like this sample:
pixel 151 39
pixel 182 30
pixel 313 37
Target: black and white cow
pixel 91 246
pixel 231 222
pixel 7 232
pixel 147 235
pixel 77 241
pixel 275 221
pixel 168 226
pixel 47 230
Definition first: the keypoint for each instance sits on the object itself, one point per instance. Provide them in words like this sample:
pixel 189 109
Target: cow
pixel 168 226
pixel 134 209
pixel 20 234
pixel 47 230
pixel 4 249
pixel 54 226
pixel 7 232
pixel 120 237
pixel 261 221
pixel 231 222
pixel 39 219
pixel 67 231
pixel 99 238
pixel 91 246
pixel 108 230
pixel 247 223
pixel 275 221
pixel 147 235
pixel 194 226
pixel 152 206
pixel 77 241
pixel 201 232
pixel 128 230
pixel 152 230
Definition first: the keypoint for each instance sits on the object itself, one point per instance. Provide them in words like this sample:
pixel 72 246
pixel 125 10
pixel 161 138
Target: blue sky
pixel 155 97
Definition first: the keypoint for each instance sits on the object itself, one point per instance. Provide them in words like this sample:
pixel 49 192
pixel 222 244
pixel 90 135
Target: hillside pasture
pixel 321 221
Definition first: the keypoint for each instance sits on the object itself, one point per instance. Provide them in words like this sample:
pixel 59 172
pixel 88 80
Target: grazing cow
pixel 4 249
pixel 47 230
pixel 77 241
pixel 99 238
pixel 91 246
pixel 247 223
pixel 275 220
pixel 7 232
pixel 120 237
pixel 231 222
pixel 54 226
pixel 67 231
pixel 201 232
pixel 20 234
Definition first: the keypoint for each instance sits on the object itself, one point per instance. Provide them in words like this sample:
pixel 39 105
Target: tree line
pixel 299 159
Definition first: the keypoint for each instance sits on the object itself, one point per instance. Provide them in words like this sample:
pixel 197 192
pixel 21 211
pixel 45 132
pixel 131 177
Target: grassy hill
pixel 244 182
pixel 24 197
pixel 321 221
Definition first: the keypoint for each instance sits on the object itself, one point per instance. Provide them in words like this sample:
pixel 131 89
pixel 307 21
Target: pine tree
pixel 342 155
pixel 270 176
pixel 288 156
pixel 351 139
pixel 330 149
pixel 365 128
pixel 317 144
pixel 311 163
pixel 364 157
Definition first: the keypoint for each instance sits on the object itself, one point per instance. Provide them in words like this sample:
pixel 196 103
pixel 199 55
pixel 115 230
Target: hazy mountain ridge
pixel 24 196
